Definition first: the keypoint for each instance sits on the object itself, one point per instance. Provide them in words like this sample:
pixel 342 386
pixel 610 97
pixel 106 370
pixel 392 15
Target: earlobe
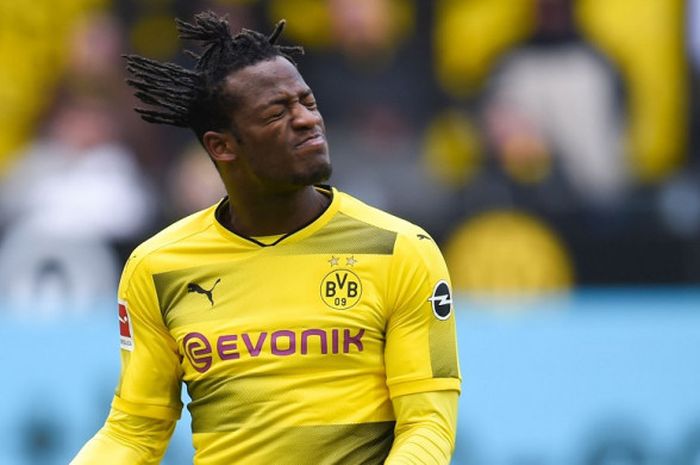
pixel 221 146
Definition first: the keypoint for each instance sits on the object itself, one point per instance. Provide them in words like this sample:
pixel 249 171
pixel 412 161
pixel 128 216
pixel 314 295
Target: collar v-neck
pixel 293 236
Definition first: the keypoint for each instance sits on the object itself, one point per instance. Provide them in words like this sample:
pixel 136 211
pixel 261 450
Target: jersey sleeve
pixel 150 379
pixel 128 439
pixel 421 348
pixel 426 424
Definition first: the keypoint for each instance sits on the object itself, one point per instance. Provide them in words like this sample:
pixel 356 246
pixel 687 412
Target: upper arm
pixel 421 347
pixel 151 372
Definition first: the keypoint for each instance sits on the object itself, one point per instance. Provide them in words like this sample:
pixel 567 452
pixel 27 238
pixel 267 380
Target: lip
pixel 312 141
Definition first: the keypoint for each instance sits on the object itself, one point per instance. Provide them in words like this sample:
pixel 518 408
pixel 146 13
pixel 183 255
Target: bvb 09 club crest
pixel 341 289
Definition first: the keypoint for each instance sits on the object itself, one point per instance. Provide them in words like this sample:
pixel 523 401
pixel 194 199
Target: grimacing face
pixel 281 136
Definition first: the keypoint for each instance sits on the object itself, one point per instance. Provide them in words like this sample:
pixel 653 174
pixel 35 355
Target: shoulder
pixel 407 235
pixel 359 210
pixel 145 255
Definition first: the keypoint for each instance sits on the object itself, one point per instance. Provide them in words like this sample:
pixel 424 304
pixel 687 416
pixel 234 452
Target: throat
pixel 273 215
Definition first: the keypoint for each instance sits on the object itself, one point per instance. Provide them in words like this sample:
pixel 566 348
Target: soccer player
pixel 308 327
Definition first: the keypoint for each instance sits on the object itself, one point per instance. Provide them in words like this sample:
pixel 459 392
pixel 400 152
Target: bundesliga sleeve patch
pixel 126 338
pixel 441 300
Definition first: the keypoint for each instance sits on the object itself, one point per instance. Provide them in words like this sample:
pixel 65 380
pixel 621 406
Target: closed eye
pixel 274 116
pixel 309 101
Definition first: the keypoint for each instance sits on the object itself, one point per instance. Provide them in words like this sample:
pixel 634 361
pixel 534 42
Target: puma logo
pixel 422 237
pixel 194 287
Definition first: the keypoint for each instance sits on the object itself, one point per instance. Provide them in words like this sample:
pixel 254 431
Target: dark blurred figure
pixel 552 109
pixel 192 183
pixel 56 252
pixel 378 51
pixel 75 171
pixel 81 162
pixel 56 255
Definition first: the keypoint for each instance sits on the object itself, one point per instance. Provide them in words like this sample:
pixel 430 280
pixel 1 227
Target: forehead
pixel 262 82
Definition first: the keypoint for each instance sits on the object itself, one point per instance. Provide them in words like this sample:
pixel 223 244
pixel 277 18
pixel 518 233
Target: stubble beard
pixel 318 175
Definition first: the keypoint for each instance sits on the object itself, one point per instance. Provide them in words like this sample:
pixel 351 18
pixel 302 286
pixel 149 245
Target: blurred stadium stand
pixel 549 146
pixel 434 110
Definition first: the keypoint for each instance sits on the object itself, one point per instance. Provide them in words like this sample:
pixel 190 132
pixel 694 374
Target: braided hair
pixel 196 98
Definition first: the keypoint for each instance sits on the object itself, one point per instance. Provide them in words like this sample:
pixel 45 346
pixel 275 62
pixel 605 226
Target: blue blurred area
pixel 606 377
pixel 599 377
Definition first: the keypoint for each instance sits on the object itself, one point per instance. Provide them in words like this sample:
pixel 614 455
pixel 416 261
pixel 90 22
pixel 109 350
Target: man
pixel 308 327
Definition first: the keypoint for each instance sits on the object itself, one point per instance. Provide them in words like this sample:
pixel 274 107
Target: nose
pixel 304 117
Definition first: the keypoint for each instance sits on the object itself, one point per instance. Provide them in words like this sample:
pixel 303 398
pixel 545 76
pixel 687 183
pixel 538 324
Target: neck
pixel 270 214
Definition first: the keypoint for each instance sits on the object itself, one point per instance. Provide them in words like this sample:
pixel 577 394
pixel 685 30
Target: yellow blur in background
pixel 644 39
pixel 462 136
pixel 508 253
pixel 33 43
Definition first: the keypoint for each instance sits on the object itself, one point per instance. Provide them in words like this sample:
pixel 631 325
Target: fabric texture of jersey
pixel 292 351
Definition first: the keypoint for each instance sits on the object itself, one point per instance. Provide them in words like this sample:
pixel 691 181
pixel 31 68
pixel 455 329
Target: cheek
pixel 269 156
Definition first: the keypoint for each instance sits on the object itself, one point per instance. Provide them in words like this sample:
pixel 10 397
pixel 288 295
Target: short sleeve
pixel 421 347
pixel 150 379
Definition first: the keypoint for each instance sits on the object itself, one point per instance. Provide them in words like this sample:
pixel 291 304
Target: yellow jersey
pixel 292 347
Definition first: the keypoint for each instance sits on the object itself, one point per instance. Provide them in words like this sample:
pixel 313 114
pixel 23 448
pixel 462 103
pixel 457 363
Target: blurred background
pixel 550 147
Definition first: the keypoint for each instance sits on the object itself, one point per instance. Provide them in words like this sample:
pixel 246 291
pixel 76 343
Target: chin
pixel 318 174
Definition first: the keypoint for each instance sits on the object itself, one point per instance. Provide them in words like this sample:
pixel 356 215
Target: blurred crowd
pixel 545 144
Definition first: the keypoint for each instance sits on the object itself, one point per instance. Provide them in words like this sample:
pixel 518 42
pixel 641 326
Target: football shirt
pixel 290 349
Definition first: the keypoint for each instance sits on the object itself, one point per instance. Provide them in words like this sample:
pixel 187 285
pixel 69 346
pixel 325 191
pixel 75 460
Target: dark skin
pixel 276 154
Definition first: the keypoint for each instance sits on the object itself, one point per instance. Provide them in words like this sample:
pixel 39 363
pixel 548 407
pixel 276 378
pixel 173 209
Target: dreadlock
pixel 196 98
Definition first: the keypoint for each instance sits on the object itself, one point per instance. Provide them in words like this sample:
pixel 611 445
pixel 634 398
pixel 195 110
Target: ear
pixel 222 146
